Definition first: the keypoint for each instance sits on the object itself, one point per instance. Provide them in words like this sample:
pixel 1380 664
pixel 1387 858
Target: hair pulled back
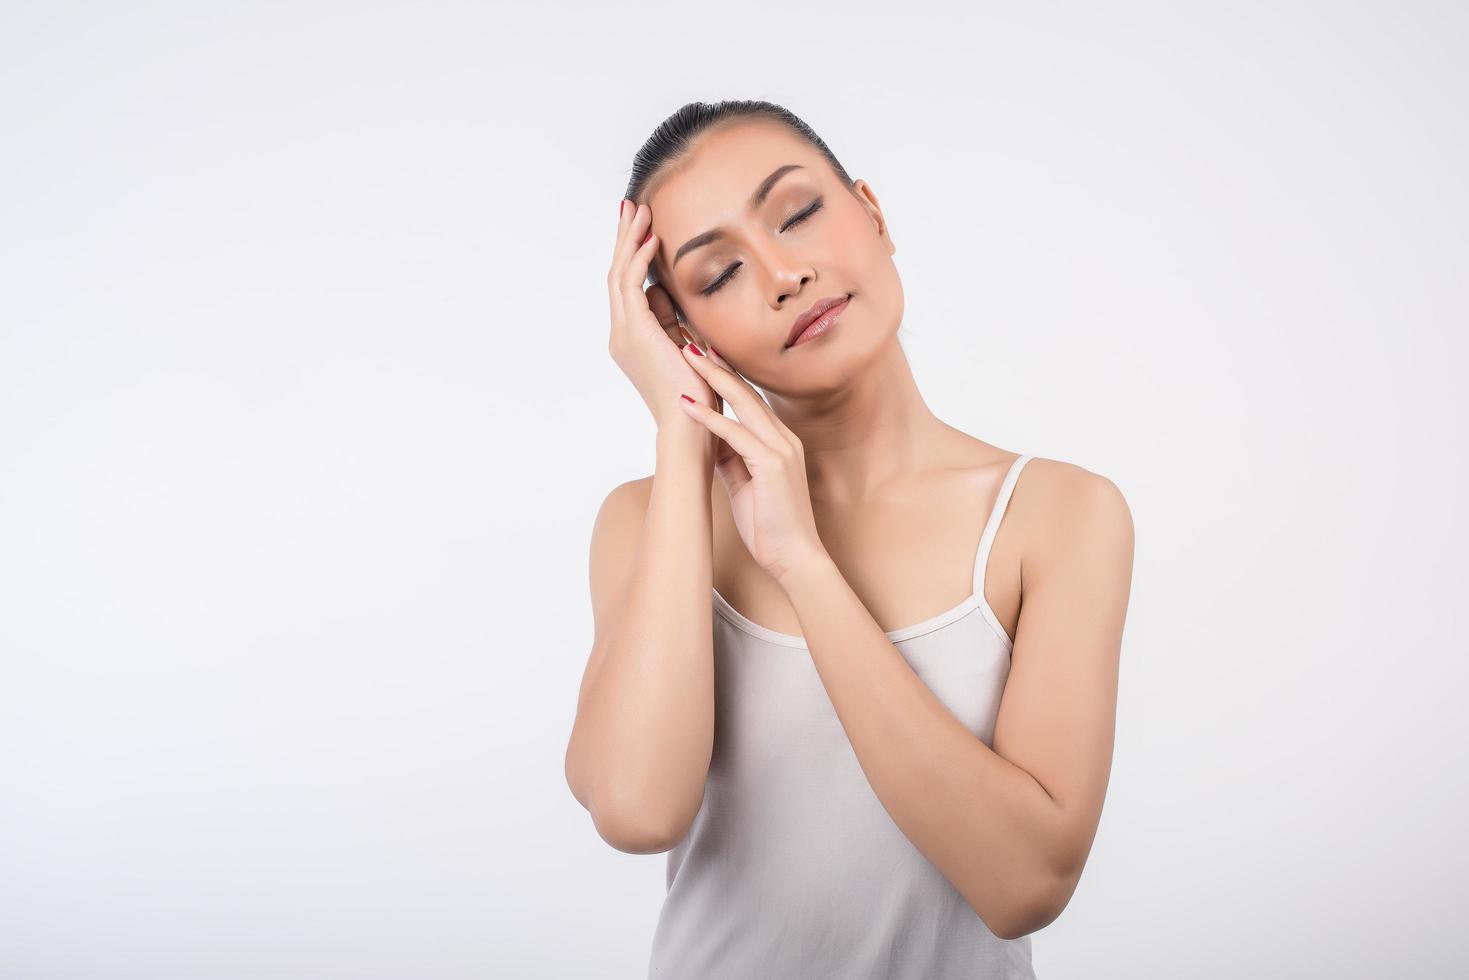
pixel 674 137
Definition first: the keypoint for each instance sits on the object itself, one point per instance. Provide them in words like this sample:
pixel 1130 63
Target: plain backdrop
pixel 306 411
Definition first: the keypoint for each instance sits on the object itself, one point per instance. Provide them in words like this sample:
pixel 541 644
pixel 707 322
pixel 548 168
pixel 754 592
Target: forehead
pixel 713 182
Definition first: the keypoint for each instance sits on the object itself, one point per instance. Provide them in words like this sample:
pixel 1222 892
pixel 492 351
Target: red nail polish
pixel 687 399
pixel 696 350
pixel 713 351
pixel 621 207
pixel 645 240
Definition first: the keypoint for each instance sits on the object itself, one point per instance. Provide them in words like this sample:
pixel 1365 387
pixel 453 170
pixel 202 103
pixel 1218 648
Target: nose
pixel 788 275
pixel 794 289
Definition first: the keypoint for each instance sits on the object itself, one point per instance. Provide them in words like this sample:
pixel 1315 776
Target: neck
pixel 861 437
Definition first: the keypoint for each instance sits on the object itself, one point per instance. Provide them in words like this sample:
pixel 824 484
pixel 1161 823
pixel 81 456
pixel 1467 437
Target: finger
pixel 730 466
pixel 666 313
pixel 717 358
pixel 630 305
pixel 689 338
pixel 740 439
pixel 635 271
pixel 683 329
pixel 631 230
pixel 628 239
pixel 749 406
pixel 631 272
pixel 775 419
pixel 624 217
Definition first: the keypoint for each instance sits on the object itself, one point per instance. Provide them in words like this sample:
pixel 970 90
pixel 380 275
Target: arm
pixel 640 747
pixel 1009 826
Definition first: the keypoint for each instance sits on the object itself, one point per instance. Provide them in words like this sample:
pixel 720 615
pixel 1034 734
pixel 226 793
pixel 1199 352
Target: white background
pixel 306 410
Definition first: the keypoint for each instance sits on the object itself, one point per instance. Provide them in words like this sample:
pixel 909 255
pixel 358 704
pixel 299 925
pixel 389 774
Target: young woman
pixel 862 688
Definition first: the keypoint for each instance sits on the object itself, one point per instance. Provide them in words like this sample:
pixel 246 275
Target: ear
pixel 862 190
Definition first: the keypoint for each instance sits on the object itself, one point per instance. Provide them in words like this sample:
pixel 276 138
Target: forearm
pixel 648 719
pixel 987 825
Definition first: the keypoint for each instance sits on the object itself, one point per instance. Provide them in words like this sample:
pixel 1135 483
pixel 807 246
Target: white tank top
pixel 792 869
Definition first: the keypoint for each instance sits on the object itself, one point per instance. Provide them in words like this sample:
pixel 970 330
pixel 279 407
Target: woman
pixel 803 682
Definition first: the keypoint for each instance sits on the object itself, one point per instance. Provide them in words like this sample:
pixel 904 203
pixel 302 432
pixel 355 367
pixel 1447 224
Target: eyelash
pixel 718 284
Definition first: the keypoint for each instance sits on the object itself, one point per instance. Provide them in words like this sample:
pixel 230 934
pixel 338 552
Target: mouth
pixel 817 318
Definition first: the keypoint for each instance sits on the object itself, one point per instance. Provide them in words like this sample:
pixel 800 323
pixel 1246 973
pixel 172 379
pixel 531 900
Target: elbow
pixel 1046 894
pixel 1019 924
pixel 632 825
pixel 1035 909
pixel 626 823
pixel 633 835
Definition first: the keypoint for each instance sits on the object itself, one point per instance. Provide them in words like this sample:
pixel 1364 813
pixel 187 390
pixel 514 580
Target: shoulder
pixel 1067 508
pixel 616 533
pixel 629 492
pixel 621 513
pixel 1069 488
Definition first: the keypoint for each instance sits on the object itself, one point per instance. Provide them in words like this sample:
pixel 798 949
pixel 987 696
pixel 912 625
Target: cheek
pixel 856 247
pixel 863 259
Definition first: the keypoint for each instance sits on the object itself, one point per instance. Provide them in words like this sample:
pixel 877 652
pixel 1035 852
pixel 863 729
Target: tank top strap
pixel 986 539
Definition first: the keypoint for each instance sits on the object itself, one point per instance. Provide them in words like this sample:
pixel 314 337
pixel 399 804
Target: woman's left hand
pixel 763 468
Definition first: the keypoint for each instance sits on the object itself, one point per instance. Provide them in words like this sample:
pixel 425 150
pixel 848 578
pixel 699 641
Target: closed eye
pixel 729 273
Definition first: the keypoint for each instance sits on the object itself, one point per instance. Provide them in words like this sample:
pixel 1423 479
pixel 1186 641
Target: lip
pixel 817 310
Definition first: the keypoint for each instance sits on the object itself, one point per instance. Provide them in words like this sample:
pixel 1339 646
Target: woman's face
pixel 809 238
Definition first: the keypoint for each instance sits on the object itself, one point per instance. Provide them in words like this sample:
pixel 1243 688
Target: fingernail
pixel 696 348
pixel 645 240
pixel 621 207
pixel 714 352
pixel 686 398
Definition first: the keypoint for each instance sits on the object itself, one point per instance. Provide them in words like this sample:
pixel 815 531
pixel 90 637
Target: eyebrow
pixel 756 199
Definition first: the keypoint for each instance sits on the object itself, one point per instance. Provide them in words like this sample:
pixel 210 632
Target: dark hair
pixel 674 136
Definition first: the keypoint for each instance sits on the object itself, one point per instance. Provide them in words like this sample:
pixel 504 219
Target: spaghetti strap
pixel 981 559
pixel 782 767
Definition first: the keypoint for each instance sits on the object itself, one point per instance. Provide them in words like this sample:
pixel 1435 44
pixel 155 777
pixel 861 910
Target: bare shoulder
pixel 1066 486
pixel 1065 506
pixel 615 535
pixel 625 500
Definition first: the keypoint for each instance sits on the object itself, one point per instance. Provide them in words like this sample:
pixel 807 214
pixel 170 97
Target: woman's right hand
pixel 646 335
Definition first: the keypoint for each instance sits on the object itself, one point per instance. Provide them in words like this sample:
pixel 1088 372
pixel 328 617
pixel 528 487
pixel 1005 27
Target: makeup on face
pixel 822 325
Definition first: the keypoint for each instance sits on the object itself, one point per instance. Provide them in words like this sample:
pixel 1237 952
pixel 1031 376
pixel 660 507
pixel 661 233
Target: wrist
pixel 812 566
pixel 684 436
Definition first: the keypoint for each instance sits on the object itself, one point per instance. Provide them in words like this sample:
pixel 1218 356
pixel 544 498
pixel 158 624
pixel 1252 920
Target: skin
pixel 845 509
